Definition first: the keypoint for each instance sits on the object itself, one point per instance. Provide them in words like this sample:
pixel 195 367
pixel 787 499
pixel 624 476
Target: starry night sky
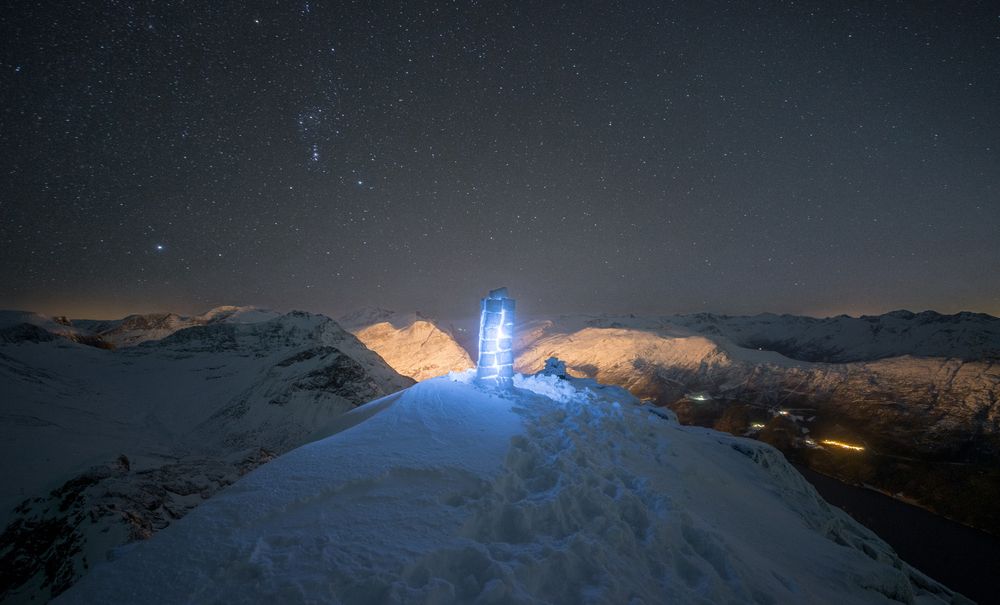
pixel 649 157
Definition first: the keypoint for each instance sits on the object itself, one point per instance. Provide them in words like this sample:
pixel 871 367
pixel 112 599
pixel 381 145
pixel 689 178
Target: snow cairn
pixel 496 339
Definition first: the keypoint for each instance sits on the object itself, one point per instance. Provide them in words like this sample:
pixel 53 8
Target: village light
pixel 841 444
pixel 496 339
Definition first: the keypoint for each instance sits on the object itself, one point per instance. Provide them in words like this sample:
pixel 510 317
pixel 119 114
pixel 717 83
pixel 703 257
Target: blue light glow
pixel 496 331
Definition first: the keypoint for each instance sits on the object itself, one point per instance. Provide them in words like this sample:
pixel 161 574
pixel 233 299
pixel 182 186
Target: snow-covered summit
pixel 367 316
pixel 556 491
pixel 413 344
pixel 236 314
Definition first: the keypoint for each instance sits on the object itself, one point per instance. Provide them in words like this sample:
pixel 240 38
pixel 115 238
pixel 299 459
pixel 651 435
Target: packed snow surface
pixel 556 490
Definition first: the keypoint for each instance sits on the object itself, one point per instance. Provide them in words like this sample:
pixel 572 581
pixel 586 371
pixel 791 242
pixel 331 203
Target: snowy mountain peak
pixel 364 317
pixel 413 344
pixel 236 314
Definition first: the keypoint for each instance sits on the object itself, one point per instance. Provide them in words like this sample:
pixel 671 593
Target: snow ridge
pixel 448 493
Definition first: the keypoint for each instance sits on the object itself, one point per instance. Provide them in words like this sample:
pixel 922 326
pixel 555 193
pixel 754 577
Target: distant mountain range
pixel 966 336
pixel 921 393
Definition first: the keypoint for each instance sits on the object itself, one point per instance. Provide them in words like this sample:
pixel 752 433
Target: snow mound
pixel 451 493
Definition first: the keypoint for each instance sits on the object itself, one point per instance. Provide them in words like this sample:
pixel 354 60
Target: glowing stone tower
pixel 496 338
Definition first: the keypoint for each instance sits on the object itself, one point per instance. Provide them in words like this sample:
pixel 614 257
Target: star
pixel 569 157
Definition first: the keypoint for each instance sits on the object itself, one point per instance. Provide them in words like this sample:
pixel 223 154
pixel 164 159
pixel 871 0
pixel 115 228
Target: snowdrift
pixel 561 491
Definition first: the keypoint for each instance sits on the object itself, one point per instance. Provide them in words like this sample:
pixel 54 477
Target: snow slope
pixel 557 491
pixel 412 344
pixel 106 446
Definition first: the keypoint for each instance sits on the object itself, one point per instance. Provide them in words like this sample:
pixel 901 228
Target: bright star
pixel 159 247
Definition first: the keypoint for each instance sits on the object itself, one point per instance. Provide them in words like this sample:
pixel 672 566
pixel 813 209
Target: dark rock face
pixel 337 373
pixel 53 536
pixel 343 376
pixel 737 419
